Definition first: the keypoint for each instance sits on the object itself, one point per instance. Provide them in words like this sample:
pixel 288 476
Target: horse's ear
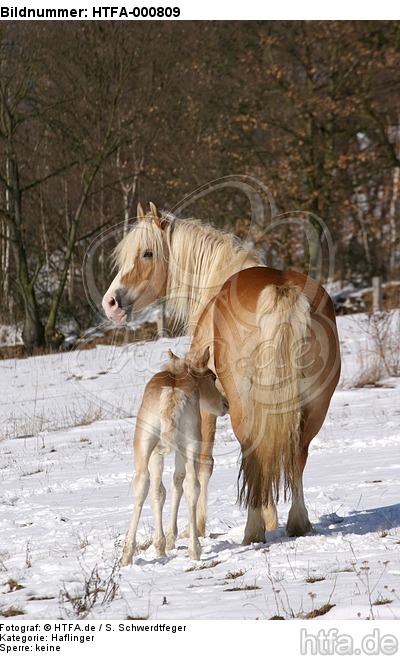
pixel 155 213
pixel 140 212
pixel 157 217
pixel 172 356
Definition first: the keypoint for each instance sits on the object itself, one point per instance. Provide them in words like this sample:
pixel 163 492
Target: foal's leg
pixel 191 489
pixel 141 485
pixel 141 489
pixel 206 465
pixel 176 496
pixel 157 493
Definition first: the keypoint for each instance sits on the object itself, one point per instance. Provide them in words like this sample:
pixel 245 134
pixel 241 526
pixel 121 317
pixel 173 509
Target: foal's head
pixel 211 399
pixel 142 261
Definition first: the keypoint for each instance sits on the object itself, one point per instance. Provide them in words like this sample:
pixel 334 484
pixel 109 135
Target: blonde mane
pixel 144 235
pixel 200 259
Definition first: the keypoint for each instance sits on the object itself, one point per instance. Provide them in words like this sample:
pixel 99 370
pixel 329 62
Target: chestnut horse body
pixel 273 346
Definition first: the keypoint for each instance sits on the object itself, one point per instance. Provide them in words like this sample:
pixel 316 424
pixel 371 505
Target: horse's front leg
pixel 206 466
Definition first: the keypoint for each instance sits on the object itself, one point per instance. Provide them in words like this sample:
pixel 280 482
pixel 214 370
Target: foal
pixel 169 420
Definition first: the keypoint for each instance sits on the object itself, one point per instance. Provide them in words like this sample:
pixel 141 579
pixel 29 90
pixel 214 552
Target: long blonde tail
pixel 272 413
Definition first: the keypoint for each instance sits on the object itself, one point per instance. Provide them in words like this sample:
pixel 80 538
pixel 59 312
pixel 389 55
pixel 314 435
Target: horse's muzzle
pixel 114 307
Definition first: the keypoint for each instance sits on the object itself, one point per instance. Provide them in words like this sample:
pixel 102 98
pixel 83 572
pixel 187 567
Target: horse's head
pixel 142 261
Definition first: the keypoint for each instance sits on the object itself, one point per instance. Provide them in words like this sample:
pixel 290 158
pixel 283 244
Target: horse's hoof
pixel 250 539
pixel 297 531
pixel 184 534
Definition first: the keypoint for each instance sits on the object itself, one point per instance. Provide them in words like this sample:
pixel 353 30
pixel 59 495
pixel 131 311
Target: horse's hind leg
pixel 259 520
pixel 141 489
pixel 270 515
pixel 255 526
pixel 156 465
pixel 313 417
pixel 176 495
pixel 298 523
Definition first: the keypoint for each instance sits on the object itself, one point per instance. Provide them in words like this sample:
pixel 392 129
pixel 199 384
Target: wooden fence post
pixel 161 322
pixel 376 294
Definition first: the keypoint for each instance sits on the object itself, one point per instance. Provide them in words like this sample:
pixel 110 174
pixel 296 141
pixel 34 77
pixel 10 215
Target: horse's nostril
pixel 112 301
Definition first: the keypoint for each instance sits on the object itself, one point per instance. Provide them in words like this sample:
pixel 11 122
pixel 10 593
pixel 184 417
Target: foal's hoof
pixel 126 560
pixel 161 553
pixel 184 534
pixel 171 543
pixel 195 552
pixel 201 532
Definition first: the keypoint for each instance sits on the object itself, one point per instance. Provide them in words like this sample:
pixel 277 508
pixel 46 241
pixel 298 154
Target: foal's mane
pixel 200 259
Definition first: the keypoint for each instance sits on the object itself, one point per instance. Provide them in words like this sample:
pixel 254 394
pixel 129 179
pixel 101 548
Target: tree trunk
pixel 33 330
pixel 51 331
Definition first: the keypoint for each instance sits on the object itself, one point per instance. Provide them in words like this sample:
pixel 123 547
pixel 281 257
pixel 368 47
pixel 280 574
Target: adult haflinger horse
pixel 274 347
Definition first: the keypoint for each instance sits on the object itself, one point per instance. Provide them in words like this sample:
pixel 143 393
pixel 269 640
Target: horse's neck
pixel 190 291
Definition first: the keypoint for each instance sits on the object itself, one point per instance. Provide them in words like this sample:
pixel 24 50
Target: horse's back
pixel 245 287
pixel 231 323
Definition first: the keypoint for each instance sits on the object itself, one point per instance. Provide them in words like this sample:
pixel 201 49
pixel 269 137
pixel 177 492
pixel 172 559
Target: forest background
pixel 96 116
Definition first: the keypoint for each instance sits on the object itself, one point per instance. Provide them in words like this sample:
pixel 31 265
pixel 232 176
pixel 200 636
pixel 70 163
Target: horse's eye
pixel 148 253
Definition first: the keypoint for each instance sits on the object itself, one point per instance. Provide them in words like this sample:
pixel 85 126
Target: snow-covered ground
pixel 65 502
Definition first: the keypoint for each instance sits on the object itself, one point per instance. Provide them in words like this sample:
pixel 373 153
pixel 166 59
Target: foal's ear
pixel 172 356
pixel 203 360
pixel 140 212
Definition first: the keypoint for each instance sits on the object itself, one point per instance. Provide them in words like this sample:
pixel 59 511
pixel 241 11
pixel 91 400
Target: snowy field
pixel 65 502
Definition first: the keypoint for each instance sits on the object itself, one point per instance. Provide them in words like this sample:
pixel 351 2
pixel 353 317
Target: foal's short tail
pixel 272 429
pixel 172 404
